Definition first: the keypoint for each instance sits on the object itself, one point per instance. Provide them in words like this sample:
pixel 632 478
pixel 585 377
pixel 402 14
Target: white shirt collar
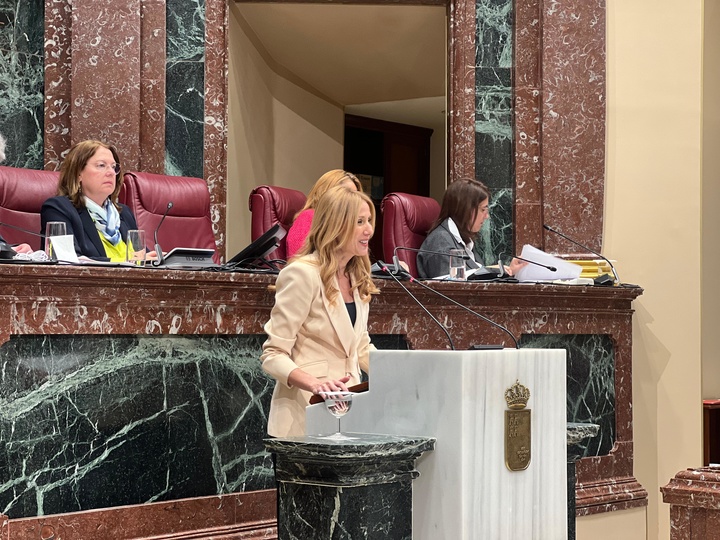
pixel 453 228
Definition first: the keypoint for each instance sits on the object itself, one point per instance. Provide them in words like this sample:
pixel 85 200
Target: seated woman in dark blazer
pixel 87 201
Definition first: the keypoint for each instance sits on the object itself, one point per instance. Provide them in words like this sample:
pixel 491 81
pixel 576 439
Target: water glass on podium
pixel 457 264
pixel 53 228
pixel 136 247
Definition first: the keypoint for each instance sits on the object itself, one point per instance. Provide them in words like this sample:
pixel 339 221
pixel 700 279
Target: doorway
pixel 310 65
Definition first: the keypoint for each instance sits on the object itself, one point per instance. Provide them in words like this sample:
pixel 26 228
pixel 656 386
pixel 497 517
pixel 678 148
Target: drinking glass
pixel 338 404
pixel 53 228
pixel 136 250
pixel 457 264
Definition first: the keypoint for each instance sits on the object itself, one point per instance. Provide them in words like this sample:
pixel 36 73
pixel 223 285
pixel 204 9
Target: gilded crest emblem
pixel 517 428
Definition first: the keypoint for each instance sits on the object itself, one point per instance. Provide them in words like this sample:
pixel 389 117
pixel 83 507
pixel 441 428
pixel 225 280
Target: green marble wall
pixel 590 382
pixel 185 88
pixel 22 81
pixel 494 125
pixel 100 421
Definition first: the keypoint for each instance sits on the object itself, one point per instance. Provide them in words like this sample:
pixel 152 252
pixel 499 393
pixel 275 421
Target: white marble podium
pixel 465 491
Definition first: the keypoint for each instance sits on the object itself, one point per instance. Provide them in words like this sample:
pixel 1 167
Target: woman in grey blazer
pixel 317 333
pixel 465 207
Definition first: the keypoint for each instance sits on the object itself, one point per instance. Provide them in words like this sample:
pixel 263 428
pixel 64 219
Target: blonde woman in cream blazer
pixel 313 346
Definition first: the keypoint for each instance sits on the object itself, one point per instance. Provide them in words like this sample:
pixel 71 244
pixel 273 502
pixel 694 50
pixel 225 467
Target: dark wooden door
pixel 391 157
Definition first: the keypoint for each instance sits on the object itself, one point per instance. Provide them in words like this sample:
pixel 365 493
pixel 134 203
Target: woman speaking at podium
pixel 317 332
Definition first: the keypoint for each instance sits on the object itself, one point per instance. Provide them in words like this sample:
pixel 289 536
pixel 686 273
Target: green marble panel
pixel 494 124
pixel 590 382
pixel 185 87
pixel 22 81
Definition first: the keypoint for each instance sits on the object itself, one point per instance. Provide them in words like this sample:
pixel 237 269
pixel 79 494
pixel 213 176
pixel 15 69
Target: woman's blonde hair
pixel 334 226
pixel 328 181
pixel 69 184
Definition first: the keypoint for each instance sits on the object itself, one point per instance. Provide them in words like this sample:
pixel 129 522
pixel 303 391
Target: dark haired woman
pixel 465 207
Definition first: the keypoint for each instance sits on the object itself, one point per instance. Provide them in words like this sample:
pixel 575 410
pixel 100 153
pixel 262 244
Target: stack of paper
pixel 534 272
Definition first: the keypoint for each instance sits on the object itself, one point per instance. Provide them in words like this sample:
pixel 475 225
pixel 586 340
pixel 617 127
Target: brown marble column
pixel 694 498
pixel 573 121
pixel 151 155
pixel 215 147
pixel 560 116
pixel 527 130
pixel 105 79
pixel 461 85
pixel 57 81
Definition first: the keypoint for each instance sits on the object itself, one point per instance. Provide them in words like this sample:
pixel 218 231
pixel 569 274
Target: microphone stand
pixel 21 229
pixel 385 269
pixel 547 267
pixel 483 317
pixel 615 274
pixel 158 250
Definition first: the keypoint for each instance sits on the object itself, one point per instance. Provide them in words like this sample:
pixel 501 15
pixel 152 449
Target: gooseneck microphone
pixel 483 317
pixel 385 269
pixel 158 250
pixel 548 228
pixel 21 229
pixel 546 266
pixel 6 250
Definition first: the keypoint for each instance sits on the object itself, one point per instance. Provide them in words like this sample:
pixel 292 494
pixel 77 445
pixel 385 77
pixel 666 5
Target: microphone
pixel 483 317
pixel 547 267
pixel 617 278
pixel 6 250
pixel 27 231
pixel 385 269
pixel 158 250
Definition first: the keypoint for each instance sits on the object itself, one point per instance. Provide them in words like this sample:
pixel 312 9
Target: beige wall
pixel 278 133
pixel 653 229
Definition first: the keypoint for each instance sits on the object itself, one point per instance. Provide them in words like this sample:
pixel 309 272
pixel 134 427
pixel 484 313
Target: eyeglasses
pixel 103 167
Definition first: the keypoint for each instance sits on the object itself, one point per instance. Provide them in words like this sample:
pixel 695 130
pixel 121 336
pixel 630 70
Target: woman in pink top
pixel 301 225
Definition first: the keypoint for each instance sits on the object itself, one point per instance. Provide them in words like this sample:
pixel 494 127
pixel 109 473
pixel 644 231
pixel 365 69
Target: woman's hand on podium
pixel 305 381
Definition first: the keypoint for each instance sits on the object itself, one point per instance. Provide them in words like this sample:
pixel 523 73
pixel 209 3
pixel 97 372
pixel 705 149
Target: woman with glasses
pixel 87 202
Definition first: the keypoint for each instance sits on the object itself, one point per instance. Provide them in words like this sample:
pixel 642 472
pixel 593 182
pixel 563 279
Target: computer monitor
pixel 253 256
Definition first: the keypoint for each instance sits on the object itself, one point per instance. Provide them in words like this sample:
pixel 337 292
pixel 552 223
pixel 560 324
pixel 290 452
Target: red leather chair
pixel 406 221
pixel 270 205
pixel 188 223
pixel 22 193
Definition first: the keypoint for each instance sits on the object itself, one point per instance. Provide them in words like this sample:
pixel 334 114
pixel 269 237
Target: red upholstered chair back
pixel 270 205
pixel 22 193
pixel 188 223
pixel 406 222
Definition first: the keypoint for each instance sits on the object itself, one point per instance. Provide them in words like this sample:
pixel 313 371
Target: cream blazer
pixel 305 331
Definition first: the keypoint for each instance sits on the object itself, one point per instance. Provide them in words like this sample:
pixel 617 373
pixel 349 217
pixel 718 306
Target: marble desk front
pixel 151 373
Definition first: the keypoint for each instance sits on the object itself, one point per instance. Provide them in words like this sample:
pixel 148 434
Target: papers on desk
pixel 64 248
pixel 532 272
